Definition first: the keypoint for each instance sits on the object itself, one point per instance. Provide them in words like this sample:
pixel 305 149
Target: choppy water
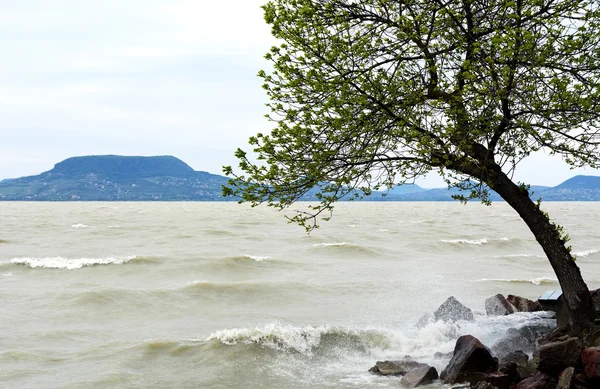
pixel 218 295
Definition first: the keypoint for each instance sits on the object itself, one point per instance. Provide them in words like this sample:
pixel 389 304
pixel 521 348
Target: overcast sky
pixel 142 77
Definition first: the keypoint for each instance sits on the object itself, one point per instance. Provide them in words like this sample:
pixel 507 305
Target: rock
pixel 425 320
pixel 529 369
pixel 537 381
pixel 565 378
pixel 419 376
pixel 522 304
pixel 523 339
pixel 400 367
pixel 485 385
pixel 559 333
pixel 557 356
pixel 498 306
pixel 518 357
pixel 596 301
pixel 579 381
pixel 440 355
pixel 591 364
pixel 452 310
pixel 470 356
pixel 497 379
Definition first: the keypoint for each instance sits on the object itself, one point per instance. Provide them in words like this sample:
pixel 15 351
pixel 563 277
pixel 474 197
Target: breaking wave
pixel 79 225
pixel 586 253
pixel 466 241
pixel 67 263
pixel 534 281
pixel 305 340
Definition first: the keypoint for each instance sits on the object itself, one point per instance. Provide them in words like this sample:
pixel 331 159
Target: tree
pixel 366 94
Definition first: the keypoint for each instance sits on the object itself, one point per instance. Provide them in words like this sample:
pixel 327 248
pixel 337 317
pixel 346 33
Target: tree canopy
pixel 366 94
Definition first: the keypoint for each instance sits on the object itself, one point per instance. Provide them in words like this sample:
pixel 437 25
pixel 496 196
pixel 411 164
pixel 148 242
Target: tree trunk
pixel 575 291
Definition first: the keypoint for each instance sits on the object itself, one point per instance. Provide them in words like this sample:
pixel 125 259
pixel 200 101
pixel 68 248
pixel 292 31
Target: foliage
pixel 365 94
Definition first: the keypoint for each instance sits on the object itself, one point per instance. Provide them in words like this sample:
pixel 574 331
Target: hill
pixel 166 178
pixel 114 177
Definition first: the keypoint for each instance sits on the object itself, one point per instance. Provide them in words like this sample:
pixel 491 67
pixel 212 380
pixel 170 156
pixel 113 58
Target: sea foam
pixel 67 263
pixel 466 241
pixel 535 281
pixel 586 253
pixel 79 225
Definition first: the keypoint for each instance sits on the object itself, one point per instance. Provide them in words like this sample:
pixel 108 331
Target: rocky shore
pixel 536 356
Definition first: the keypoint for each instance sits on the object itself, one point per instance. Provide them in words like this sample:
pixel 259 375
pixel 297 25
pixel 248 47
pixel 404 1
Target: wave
pixel 346 246
pixel 69 264
pixel 255 258
pixel 586 253
pixel 535 281
pixel 522 256
pixel 305 340
pixel 466 241
pixel 79 225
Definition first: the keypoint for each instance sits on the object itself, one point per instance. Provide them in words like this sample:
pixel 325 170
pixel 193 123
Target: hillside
pixel 166 178
pixel 113 177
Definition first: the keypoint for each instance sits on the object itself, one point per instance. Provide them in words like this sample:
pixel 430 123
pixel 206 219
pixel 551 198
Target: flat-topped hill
pixel 116 177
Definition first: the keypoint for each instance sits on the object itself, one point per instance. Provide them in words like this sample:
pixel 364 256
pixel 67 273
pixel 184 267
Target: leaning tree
pixel 367 94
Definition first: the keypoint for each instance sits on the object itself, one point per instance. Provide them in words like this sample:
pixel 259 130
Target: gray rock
pixel 425 320
pixel 565 378
pixel 497 379
pixel 498 306
pixel 452 311
pixel 420 376
pixel 400 367
pixel 485 385
pixel 518 357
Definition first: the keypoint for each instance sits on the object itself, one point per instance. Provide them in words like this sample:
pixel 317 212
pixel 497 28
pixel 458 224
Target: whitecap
pixel 79 225
pixel 466 241
pixel 383 230
pixel 7 274
pixel 586 253
pixel 69 264
pixel 535 281
pixel 257 258
pixel 522 256
pixel 352 225
pixel 335 244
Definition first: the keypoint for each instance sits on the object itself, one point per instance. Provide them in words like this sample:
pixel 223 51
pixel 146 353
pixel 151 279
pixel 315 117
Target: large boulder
pixel 419 376
pixel 470 356
pixel 537 381
pixel 523 339
pixel 591 364
pixel 522 304
pixel 452 311
pixel 557 356
pixel 498 306
pixel 400 367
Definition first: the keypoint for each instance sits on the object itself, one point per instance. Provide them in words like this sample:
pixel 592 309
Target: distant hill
pixel 578 188
pixel 166 178
pixel 114 177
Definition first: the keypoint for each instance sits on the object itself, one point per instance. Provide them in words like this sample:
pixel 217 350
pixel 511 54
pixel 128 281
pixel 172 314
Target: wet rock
pixel 497 379
pixel 522 339
pixel 579 382
pixel 425 320
pixel 498 306
pixel 565 378
pixel 557 356
pixel 558 333
pixel 537 381
pixel 591 364
pixel 400 367
pixel 523 304
pixel 419 376
pixel 485 385
pixel 452 311
pixel 440 355
pixel 518 358
pixel 596 301
pixel 470 356
pixel 529 369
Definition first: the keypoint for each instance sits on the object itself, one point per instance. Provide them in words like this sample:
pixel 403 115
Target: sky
pixel 144 77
